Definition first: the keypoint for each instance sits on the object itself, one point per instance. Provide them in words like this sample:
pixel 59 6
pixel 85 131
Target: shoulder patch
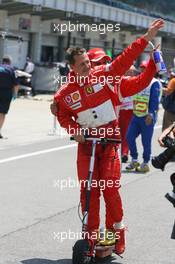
pixel 72 98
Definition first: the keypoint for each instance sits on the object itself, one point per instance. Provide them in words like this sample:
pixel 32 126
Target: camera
pixel 162 159
pixel 169 142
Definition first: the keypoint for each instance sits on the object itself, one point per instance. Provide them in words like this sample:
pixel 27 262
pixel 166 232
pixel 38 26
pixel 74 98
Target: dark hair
pixel 6 60
pixel 71 52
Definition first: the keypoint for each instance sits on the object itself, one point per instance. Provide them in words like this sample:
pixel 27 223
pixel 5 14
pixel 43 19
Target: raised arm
pixel 133 85
pixel 123 62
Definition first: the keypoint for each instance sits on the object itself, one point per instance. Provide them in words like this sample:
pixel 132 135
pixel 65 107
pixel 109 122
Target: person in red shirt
pixel 89 102
pixel 125 115
pixel 97 57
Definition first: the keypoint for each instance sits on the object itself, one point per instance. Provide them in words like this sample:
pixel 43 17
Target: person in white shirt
pixel 29 68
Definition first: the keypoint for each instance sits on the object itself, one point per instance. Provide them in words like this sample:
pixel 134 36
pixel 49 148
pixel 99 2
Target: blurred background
pixel 28 29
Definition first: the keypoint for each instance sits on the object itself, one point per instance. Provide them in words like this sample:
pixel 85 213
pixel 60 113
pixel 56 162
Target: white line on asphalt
pixel 43 152
pixel 36 153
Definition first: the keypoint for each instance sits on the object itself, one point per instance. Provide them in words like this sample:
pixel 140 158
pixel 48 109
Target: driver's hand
pixel 54 108
pixel 155 26
pixel 79 138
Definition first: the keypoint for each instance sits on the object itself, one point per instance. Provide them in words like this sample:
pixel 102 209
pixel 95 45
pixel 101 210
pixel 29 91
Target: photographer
pixel 167 139
pixel 160 161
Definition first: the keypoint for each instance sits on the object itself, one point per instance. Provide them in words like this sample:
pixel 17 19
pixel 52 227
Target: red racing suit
pixel 92 104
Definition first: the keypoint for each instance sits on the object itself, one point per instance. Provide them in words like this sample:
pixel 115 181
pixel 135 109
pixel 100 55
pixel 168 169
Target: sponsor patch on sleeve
pixel 72 98
pixel 68 99
pixel 75 96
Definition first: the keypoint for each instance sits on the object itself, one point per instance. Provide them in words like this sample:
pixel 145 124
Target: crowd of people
pixel 137 115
